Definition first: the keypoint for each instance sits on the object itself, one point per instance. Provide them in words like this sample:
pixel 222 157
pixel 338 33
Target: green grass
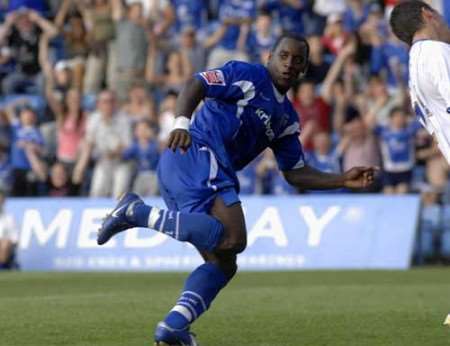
pixel 257 309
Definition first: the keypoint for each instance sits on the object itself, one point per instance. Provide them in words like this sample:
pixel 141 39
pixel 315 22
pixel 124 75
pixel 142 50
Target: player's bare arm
pixel 188 100
pixel 308 178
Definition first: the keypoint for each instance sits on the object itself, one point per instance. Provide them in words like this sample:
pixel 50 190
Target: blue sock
pixel 200 289
pixel 201 230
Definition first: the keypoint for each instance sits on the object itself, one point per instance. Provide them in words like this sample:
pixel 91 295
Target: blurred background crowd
pixel 88 90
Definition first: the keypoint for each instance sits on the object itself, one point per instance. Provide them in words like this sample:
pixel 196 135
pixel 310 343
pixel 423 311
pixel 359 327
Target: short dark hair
pixel 292 36
pixel 406 19
pixel 396 109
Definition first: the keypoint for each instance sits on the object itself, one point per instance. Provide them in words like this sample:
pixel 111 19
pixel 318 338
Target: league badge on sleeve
pixel 214 77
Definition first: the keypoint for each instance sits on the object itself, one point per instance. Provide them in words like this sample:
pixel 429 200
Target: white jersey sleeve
pixel 430 89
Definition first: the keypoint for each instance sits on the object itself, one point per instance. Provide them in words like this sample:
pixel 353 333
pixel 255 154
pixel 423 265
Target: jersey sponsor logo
pixel 265 118
pixel 214 77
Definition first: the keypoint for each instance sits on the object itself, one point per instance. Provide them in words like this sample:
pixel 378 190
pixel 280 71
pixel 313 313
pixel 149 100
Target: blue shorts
pixel 394 179
pixel 191 182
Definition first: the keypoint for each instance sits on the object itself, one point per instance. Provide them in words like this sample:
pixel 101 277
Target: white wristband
pixel 181 123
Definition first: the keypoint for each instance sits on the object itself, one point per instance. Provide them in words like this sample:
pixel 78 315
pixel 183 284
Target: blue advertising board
pixel 284 233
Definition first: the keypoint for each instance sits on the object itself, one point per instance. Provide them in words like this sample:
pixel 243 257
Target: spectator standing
pixel 237 17
pixel 75 38
pixel 8 236
pixel 335 36
pixel 58 182
pixel 26 150
pixel 100 63
pixel 313 111
pixel 379 102
pixel 397 142
pixel 177 70
pixel 193 14
pixel 288 13
pixel 355 15
pixel 262 37
pixel 195 51
pixel 145 153
pixel 131 46
pixel 318 67
pixel 324 157
pixel 21 31
pixel 107 134
pixel 140 105
pixel 359 146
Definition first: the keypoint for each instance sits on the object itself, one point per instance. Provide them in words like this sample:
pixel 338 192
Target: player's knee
pixel 234 245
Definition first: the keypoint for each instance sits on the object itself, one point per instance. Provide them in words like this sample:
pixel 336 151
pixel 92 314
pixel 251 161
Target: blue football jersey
pixel 397 147
pixel 243 114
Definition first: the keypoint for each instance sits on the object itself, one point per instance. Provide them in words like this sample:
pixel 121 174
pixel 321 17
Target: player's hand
pixel 360 177
pixel 179 138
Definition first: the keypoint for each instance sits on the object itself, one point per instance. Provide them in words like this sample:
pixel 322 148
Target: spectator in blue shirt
pixel 144 151
pixel 190 14
pixel 289 13
pixel 26 151
pixel 261 38
pixel 355 15
pixel 397 142
pixel 390 58
pixel 324 157
pixel 237 16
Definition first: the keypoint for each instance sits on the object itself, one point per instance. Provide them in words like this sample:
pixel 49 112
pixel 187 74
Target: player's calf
pixel 201 230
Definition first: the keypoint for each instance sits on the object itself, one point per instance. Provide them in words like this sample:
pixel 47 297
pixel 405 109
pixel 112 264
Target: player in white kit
pixel 426 31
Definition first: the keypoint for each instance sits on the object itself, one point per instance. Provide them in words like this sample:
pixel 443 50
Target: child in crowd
pixel 397 150
pixel 145 152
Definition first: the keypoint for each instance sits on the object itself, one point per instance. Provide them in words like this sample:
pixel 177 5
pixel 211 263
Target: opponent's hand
pixel 179 138
pixel 360 177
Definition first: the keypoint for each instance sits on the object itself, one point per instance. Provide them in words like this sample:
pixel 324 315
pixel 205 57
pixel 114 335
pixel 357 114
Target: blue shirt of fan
pixel 256 44
pixel 389 57
pixel 190 14
pixel 235 9
pixel 243 114
pixel 288 17
pixel 146 157
pixel 352 21
pixel 20 134
pixel 328 163
pixel 397 146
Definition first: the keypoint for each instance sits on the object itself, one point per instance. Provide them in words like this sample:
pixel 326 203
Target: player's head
pixel 288 60
pixel 411 17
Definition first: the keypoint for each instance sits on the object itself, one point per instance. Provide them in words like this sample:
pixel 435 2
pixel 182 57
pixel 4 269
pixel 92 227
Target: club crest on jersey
pixel 213 77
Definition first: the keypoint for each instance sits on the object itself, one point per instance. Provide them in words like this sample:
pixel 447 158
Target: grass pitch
pixel 257 309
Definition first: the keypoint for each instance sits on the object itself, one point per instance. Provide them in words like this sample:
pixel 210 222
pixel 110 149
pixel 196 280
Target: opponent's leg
pixel 205 282
pixel 201 230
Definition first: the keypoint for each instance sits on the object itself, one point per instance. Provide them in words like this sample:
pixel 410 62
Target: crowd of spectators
pixel 88 90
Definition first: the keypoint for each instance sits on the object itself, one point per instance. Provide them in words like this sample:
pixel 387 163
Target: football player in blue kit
pixel 245 110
